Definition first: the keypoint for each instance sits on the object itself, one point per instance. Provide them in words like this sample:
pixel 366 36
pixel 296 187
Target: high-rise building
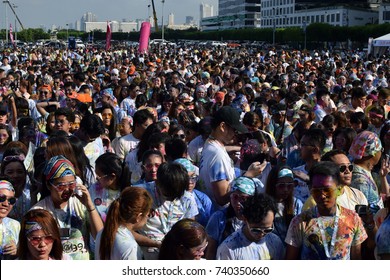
pixel 239 13
pixel 171 19
pixel 206 10
pixel 189 20
pixel 87 17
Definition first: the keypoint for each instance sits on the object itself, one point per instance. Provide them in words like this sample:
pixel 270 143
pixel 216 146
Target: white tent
pixel 380 44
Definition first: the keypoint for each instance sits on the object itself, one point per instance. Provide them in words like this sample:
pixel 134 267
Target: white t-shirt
pixel 9 229
pixel 135 167
pixel 238 247
pixel 215 165
pixel 93 150
pixel 167 213
pixel 73 217
pixel 126 144
pixel 124 248
pixel 195 148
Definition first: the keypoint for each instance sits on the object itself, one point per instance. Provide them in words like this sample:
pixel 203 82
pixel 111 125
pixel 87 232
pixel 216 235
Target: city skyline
pixel 38 13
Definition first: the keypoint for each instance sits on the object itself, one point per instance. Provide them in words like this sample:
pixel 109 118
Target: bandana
pixel 58 167
pixel 365 144
pixel 5 185
pixel 244 184
pixel 285 173
pixel 32 226
pixel 186 163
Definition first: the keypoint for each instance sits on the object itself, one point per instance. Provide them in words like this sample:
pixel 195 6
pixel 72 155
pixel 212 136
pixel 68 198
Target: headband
pixel 58 167
pixel 32 226
pixel 5 185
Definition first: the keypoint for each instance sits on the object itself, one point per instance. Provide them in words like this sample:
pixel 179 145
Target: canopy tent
pixel 380 45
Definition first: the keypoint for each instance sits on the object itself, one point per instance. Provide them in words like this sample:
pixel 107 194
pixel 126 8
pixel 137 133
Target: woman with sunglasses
pixel 72 207
pixel 13 167
pixel 127 213
pixel 187 240
pixel 280 186
pixel 40 237
pixel 9 227
pixel 255 240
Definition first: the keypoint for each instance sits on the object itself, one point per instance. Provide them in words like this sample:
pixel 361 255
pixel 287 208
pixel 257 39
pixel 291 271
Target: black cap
pixel 231 117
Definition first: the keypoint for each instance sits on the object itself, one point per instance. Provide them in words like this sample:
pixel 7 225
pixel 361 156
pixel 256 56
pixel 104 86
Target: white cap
pixel 369 78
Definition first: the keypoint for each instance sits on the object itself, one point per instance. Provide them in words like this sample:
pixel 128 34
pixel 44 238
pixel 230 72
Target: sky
pixel 34 13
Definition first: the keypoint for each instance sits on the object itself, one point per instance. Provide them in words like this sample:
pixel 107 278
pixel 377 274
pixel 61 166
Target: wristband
pixel 91 210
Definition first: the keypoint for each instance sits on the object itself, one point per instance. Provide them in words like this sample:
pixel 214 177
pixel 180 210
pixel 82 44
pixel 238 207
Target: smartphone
pixel 361 209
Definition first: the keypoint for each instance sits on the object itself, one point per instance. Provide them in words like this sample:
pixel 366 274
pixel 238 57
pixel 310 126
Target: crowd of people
pixel 192 153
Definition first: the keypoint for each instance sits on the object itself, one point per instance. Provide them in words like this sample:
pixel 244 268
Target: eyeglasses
pixel 320 191
pixel 262 231
pixel 194 178
pixel 100 177
pixel 36 240
pixel 149 166
pixel 11 200
pixel 179 136
pixel 285 185
pixel 10 158
pixel 63 186
pixel 344 168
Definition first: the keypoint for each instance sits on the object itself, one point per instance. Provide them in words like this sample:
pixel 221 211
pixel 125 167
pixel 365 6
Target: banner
pixel 11 36
pixel 144 37
pixel 108 36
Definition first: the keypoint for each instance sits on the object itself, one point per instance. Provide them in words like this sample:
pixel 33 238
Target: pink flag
pixel 108 37
pixel 144 37
pixel 11 36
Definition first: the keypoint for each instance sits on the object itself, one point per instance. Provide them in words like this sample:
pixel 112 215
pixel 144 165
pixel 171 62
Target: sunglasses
pixel 181 136
pixel 344 168
pixel 150 166
pixel 44 92
pixel 262 231
pixel 194 178
pixel 36 240
pixel 11 200
pixel 320 191
pixel 63 186
pixel 11 158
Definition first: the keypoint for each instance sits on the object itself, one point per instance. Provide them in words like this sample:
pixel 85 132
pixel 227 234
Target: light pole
pixel 6 21
pixel 274 27
pixel 67 32
pixel 304 30
pixel 162 21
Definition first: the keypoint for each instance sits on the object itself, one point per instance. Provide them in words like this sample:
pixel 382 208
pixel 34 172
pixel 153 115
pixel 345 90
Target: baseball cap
pixel 206 75
pixel 231 117
pixel 369 78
